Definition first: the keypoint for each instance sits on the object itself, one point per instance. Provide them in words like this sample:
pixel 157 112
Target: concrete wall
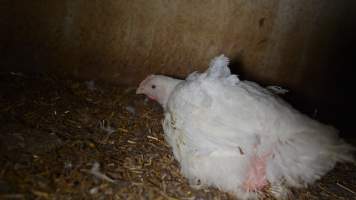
pixel 301 44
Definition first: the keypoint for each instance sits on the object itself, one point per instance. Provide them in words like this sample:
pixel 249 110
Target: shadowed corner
pixel 236 67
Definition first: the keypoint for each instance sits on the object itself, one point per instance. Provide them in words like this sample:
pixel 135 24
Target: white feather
pixel 218 67
pixel 216 123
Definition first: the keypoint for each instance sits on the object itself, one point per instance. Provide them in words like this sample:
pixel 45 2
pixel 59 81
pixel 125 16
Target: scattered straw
pixel 50 133
pixel 345 188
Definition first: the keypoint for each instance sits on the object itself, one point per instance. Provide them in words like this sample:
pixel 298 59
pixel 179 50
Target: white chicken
pixel 240 137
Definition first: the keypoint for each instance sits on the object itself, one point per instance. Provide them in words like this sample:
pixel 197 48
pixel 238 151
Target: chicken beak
pixel 140 89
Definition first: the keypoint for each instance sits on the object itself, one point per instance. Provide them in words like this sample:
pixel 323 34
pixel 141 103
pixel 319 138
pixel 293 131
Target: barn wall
pixel 129 39
pixel 295 43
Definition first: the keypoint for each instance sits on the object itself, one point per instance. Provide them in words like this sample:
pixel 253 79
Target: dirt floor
pixel 64 139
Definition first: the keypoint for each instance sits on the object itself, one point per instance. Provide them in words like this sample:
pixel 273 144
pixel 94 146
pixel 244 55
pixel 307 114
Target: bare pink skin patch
pixel 256 176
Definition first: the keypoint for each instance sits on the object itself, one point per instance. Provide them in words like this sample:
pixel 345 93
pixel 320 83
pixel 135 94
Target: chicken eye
pixel 153 86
